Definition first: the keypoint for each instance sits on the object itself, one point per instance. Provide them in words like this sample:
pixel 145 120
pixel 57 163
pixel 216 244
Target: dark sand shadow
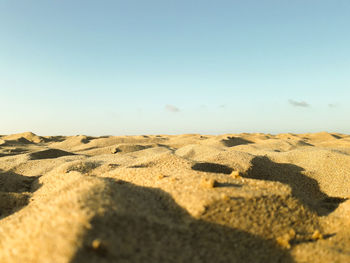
pixel 235 141
pixel 10 152
pixel 14 147
pixel 49 154
pixel 15 191
pixel 212 168
pixel 57 138
pixel 146 225
pixel 336 136
pixel 167 147
pixel 304 188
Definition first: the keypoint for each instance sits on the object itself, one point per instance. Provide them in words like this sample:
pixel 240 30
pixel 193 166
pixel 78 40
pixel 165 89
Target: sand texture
pixel 165 198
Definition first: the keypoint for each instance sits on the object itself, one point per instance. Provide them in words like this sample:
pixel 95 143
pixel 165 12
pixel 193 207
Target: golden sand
pixel 187 198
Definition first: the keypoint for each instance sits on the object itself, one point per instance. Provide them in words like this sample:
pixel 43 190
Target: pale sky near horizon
pixel 169 67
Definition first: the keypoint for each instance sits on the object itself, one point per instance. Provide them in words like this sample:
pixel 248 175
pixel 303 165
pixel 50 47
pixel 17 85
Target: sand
pixel 187 198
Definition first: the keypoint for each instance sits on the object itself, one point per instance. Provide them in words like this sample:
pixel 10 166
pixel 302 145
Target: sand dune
pixel 187 198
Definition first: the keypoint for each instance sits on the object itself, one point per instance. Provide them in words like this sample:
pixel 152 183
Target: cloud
pixel 172 108
pixel 332 105
pixel 299 103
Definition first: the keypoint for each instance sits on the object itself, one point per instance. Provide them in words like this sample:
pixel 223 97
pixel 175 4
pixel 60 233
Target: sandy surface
pixel 186 198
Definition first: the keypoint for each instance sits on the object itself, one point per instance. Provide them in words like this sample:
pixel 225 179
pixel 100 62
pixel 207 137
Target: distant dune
pixel 165 198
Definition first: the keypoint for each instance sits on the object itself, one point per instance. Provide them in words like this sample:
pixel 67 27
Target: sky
pixel 113 67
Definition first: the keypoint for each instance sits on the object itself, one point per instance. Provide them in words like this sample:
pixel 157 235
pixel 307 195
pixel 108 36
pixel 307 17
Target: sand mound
pixel 188 198
pixel 26 137
pixel 70 142
pixel 197 151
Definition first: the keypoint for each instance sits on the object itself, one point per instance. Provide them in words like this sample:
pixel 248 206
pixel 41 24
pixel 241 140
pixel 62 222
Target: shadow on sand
pixel 15 191
pixel 211 168
pixel 146 225
pixel 304 188
pixel 235 141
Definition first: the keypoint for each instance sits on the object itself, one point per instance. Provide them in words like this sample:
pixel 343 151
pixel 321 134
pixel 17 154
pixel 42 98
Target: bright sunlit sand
pixel 186 198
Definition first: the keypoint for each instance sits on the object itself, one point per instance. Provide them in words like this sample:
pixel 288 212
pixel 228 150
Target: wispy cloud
pixel 299 103
pixel 172 108
pixel 332 105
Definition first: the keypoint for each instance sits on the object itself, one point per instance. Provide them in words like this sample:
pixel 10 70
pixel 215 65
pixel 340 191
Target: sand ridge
pixel 175 198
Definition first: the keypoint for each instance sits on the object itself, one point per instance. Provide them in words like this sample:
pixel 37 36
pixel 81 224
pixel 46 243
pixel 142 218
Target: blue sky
pixel 161 66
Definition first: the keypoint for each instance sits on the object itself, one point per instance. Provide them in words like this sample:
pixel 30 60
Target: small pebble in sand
pixel 96 244
pixel 113 165
pixel 284 241
pixel 317 235
pixel 225 197
pixel 99 246
pixel 208 183
pixel 161 176
pixel 236 175
pixel 115 150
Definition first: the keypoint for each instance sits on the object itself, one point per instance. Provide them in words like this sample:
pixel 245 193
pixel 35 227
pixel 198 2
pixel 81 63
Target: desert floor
pixel 166 198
